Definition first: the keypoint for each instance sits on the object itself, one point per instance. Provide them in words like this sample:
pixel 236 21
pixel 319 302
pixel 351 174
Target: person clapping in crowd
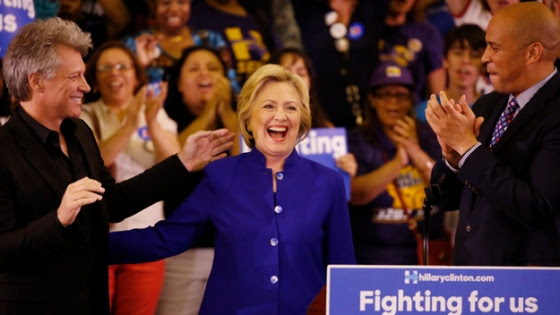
pixel 395 155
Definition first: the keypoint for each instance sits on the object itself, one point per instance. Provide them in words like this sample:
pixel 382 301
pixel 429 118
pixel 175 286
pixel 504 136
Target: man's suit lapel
pixel 89 149
pixel 491 110
pixel 93 163
pixel 535 106
pixel 35 155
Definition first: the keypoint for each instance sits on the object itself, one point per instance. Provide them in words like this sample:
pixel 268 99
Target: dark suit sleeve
pixel 22 244
pixel 177 233
pixel 163 180
pixel 531 200
pixel 449 185
pixel 519 178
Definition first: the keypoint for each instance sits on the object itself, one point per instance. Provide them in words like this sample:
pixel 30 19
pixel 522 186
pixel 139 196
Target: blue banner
pixel 390 290
pixel 13 15
pixel 322 145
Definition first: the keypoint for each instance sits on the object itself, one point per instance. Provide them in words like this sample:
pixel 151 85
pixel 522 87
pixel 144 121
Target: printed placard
pixel 389 290
pixel 13 15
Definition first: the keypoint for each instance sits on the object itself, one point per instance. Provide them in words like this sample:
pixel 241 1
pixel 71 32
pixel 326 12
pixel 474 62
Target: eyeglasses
pixel 400 97
pixel 119 67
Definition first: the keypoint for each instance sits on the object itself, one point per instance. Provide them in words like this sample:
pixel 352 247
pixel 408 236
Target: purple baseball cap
pixel 391 73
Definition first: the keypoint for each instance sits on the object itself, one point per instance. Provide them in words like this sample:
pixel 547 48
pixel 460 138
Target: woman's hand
pixel 155 102
pixel 133 111
pixel 405 133
pixel 223 97
pixel 347 163
pixel 146 49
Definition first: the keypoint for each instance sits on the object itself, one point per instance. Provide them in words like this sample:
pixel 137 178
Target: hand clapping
pixel 454 124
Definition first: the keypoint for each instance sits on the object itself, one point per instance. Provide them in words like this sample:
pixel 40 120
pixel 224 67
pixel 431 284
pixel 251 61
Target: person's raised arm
pixel 165 141
pixel 405 134
pixel 216 109
pixel 455 125
pixel 366 187
pixel 19 244
pixel 204 147
pixel 78 194
pixel 111 147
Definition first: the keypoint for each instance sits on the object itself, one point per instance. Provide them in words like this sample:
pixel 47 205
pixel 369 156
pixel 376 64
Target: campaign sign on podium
pixel 389 290
pixel 322 145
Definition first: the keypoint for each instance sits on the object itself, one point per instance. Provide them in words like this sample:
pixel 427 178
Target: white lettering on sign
pixel 26 5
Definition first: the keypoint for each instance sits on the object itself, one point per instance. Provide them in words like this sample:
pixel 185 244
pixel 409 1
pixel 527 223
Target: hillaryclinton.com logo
pixel 410 277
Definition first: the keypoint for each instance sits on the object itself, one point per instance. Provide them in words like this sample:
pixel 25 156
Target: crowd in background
pixel 160 70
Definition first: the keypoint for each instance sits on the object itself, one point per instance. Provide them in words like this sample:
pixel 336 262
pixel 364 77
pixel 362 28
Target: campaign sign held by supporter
pixel 322 145
pixel 13 15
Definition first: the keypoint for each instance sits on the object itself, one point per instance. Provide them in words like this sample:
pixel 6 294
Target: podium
pixel 355 289
pixel 319 304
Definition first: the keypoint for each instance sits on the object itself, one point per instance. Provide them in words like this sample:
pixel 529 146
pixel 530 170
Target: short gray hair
pixel 35 50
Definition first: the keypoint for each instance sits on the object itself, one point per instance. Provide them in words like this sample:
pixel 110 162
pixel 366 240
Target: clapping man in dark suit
pixel 56 196
pixel 501 166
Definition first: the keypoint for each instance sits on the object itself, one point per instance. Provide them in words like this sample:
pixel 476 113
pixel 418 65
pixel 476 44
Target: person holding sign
pixel 56 196
pixel 280 219
pixel 500 164
pixel 395 154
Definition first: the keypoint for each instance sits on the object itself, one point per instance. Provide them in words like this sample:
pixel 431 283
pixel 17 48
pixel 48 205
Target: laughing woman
pixel 280 219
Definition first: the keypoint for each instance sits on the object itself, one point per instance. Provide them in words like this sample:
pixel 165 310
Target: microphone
pixel 433 196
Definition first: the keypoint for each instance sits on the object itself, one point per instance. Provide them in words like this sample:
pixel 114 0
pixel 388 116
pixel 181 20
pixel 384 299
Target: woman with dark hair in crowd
pixel 200 98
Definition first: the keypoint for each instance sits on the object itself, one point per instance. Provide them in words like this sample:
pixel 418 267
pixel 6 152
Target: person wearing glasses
pixel 395 155
pixel 133 132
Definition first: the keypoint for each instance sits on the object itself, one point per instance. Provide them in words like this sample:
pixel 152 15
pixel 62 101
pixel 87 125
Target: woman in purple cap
pixel 395 155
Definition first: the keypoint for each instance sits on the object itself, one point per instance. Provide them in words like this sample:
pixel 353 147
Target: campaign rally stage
pixel 388 290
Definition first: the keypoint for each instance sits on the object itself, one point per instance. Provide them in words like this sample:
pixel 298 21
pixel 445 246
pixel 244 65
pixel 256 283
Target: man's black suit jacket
pixel 509 198
pixel 44 268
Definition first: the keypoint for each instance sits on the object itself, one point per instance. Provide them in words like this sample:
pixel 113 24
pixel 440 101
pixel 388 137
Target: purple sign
pixel 13 15
pixel 450 290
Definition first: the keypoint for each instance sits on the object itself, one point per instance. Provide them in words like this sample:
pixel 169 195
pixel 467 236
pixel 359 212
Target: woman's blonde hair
pixel 253 86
